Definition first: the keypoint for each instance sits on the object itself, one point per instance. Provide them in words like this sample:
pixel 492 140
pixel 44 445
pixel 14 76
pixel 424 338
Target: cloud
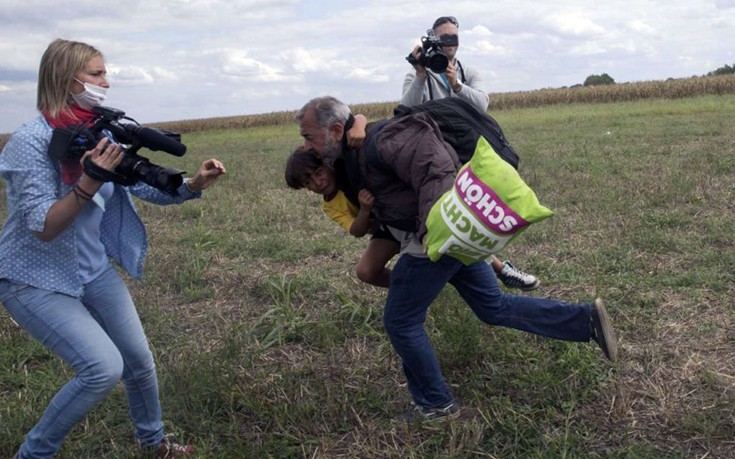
pixel 249 92
pixel 373 75
pixel 639 26
pixel 179 58
pixel 303 60
pixel 241 10
pixel 587 49
pixel 479 31
pixel 723 23
pixel 134 75
pixel 237 63
pixel 163 74
pixel 129 75
pixel 574 25
pixel 485 47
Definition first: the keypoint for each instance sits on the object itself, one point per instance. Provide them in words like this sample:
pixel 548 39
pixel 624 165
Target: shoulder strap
pixel 488 127
pixel 372 157
pixel 461 124
pixel 347 174
pixel 463 79
pixel 461 72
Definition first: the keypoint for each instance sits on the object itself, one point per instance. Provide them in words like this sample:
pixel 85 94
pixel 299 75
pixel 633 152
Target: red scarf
pixel 70 170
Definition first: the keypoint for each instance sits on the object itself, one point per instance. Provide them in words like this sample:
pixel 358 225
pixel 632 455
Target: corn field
pixel 668 89
pixel 665 89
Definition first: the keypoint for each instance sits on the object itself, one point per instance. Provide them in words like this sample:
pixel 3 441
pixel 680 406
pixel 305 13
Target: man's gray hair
pixel 327 111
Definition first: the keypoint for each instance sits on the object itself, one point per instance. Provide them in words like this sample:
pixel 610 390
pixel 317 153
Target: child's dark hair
pixel 300 165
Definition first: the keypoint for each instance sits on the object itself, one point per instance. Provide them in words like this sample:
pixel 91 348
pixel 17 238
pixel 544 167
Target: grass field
pixel 268 346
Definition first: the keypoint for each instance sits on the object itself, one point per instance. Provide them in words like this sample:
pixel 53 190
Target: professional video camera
pixel 432 55
pixel 70 144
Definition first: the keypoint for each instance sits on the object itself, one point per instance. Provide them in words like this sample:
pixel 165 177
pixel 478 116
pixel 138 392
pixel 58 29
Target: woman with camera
pixel 56 279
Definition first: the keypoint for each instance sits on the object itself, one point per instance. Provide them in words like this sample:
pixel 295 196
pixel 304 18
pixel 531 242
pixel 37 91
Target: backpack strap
pixel 486 126
pixel 463 79
pixel 461 123
pixel 348 177
pixel 461 72
pixel 372 157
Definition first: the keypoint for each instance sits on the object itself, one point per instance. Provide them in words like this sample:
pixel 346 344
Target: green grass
pixel 268 346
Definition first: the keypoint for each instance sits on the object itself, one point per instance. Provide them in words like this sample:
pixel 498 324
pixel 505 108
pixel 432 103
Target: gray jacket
pixel 416 90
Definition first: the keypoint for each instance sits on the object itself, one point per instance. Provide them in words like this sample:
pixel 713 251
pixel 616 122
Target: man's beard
pixel 332 151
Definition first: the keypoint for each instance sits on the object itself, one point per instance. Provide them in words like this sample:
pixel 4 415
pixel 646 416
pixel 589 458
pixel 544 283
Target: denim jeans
pixel 100 336
pixel 414 284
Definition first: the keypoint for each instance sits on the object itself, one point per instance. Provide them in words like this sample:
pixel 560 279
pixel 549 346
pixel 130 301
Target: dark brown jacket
pixel 415 168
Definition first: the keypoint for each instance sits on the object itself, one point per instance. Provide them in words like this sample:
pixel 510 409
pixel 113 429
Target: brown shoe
pixel 171 450
pixel 602 330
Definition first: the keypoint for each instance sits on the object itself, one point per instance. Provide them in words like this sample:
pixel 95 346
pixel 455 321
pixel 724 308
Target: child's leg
pixel 496 264
pixel 371 267
pixel 511 276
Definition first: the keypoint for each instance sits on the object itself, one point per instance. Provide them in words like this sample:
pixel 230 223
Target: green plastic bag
pixel 487 207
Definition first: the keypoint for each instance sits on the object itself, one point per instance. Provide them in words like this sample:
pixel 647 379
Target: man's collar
pixel 348 125
pixel 350 121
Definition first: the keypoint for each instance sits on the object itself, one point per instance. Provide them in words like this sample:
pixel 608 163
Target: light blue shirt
pixel 33 185
pixel 93 259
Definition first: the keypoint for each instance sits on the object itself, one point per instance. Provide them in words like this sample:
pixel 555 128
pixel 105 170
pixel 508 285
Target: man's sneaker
pixel 602 330
pixel 170 450
pixel 421 414
pixel 515 278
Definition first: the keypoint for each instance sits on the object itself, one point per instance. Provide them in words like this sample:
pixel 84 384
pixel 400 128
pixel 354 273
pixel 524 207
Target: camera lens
pixel 438 62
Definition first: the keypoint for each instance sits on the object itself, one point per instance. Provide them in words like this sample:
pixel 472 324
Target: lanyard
pixel 445 80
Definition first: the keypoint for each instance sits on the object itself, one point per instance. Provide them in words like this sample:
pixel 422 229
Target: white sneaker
pixel 515 278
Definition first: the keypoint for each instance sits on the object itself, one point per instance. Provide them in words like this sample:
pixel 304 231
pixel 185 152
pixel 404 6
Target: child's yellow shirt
pixel 341 210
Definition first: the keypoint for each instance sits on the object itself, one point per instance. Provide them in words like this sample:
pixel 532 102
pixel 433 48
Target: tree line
pixel 596 80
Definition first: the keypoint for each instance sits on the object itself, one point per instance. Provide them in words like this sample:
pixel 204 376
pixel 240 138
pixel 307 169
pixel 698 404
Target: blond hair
pixel 60 63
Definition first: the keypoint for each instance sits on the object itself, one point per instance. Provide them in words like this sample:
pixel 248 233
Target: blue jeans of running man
pixel 414 284
pixel 100 336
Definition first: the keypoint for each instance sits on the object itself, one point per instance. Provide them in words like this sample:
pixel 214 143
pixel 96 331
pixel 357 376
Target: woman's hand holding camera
pixel 106 155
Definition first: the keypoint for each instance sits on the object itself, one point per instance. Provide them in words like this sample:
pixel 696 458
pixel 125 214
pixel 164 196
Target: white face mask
pixel 91 97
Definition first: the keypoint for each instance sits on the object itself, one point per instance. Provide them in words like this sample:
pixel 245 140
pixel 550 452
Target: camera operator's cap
pixel 445 19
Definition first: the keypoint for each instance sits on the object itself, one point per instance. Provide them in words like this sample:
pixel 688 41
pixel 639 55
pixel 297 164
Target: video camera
pixel 432 55
pixel 70 144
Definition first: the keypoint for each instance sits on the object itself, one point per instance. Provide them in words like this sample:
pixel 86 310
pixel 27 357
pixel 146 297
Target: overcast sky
pixel 184 59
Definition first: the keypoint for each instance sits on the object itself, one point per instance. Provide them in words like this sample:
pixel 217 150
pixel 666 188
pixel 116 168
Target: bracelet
pixel 83 192
pixel 81 199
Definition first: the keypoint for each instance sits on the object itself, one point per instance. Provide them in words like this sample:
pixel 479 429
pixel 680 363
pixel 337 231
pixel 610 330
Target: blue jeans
pixel 100 336
pixel 415 283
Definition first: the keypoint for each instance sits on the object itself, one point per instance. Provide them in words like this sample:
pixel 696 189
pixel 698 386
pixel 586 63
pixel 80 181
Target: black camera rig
pixel 432 54
pixel 69 145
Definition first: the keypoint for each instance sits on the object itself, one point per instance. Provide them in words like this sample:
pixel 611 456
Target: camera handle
pixel 103 175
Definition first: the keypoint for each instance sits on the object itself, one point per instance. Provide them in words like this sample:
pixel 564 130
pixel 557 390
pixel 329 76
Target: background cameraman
pixel 457 81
